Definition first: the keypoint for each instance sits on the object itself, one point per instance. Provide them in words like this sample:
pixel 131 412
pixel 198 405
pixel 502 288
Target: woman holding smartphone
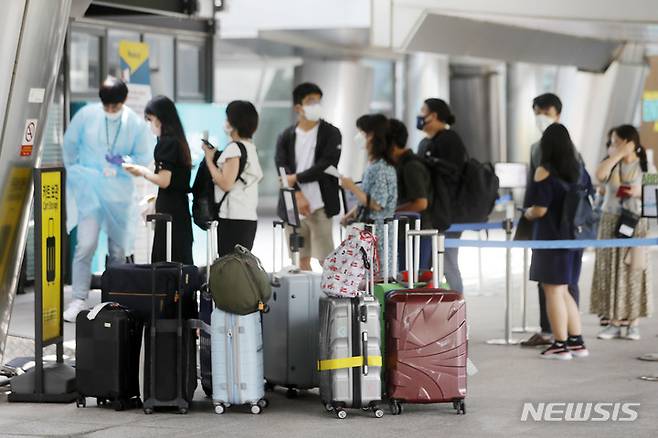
pixel 620 290
pixel 173 164
pixel 236 184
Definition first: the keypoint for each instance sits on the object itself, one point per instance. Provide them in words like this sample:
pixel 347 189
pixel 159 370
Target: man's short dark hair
pixel 113 91
pixel 242 116
pixel 303 90
pixel 547 100
pixel 397 133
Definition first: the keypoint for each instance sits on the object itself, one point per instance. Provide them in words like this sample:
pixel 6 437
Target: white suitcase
pixel 237 361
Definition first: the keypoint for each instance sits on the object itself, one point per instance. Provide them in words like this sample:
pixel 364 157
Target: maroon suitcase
pixel 426 345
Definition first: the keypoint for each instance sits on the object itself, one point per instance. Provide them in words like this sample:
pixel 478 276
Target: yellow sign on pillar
pixel 50 200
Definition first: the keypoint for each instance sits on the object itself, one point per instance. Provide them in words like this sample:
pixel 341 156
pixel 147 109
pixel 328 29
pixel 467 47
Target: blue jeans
pixel 88 231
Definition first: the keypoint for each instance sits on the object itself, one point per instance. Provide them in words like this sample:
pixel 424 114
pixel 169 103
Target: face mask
pixel 228 129
pixel 543 122
pixel 113 116
pixel 360 141
pixel 420 122
pixel 154 130
pixel 312 112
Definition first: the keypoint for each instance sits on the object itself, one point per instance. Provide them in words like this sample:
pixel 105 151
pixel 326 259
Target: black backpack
pixel 477 192
pixel 579 220
pixel 204 207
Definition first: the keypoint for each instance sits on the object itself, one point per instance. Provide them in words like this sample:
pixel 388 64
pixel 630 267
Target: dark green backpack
pixel 238 283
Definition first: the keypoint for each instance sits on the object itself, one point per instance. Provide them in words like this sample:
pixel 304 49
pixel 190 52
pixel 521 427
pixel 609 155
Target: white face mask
pixel 114 116
pixel 543 122
pixel 360 141
pixel 312 112
pixel 228 129
pixel 156 131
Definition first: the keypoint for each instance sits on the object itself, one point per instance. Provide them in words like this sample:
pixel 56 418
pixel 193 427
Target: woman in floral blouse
pixel 378 195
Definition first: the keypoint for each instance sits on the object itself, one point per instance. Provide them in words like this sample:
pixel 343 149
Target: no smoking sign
pixel 27 142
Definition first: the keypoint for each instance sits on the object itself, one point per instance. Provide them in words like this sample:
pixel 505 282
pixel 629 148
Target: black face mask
pixel 420 122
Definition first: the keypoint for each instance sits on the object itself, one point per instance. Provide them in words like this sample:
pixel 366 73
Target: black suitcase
pixel 130 285
pixel 206 306
pixel 170 372
pixel 170 355
pixel 107 357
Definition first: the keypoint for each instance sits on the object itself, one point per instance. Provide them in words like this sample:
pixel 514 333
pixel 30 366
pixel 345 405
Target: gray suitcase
pixel 291 329
pixel 350 357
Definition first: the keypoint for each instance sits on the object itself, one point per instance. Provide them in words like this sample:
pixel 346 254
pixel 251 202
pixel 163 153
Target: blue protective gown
pixel 101 189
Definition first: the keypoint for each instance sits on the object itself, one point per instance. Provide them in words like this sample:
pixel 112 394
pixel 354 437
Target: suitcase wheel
pixel 81 402
pixel 182 411
pixel 460 406
pixel 255 409
pixel 341 414
pixel 220 409
pixel 396 408
pixel 329 407
pixel 148 411
pixel 378 412
pixel 263 403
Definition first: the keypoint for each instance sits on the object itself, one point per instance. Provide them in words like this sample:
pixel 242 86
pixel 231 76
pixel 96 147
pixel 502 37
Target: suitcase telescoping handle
pixel 152 220
pixel 212 252
pixel 408 217
pixel 438 248
pixel 394 253
pixel 282 236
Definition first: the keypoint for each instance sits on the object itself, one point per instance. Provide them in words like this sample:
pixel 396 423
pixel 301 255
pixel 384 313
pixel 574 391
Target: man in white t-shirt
pixel 305 150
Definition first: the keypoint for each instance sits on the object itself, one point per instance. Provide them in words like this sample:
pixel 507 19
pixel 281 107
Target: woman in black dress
pixel 556 269
pixel 172 175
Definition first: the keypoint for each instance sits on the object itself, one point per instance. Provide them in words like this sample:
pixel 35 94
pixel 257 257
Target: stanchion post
pixel 524 297
pixel 508 225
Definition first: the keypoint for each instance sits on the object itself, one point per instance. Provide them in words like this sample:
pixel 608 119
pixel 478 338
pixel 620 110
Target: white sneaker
pixel 76 306
pixel 610 332
pixel 633 333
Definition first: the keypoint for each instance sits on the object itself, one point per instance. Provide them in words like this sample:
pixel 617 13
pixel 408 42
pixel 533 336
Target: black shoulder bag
pixel 628 220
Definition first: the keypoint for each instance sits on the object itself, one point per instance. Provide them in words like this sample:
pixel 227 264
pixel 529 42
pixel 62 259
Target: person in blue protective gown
pixel 100 138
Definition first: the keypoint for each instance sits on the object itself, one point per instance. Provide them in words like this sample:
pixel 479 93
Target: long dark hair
pixel 377 125
pixel 558 153
pixel 165 110
pixel 629 133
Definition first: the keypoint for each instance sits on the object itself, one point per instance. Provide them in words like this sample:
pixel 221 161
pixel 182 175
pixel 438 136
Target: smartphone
pixel 207 143
pixel 204 139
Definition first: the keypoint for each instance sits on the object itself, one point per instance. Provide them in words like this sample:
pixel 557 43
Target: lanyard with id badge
pixel 113 161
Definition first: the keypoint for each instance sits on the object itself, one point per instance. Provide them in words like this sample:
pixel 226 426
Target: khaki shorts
pixel 317 231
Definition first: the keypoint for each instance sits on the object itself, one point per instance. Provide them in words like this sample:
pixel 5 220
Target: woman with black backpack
pixel 556 269
pixel 236 178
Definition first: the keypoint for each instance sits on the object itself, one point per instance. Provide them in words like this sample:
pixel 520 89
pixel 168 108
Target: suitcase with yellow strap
pixel 350 358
